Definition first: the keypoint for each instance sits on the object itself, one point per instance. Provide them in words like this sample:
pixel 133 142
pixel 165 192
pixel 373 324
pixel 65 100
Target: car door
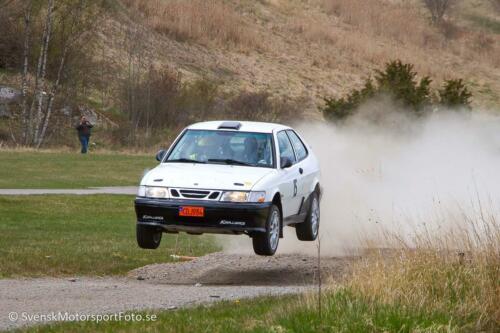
pixel 305 175
pixel 288 178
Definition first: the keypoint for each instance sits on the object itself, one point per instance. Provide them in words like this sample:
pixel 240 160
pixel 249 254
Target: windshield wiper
pixel 229 161
pixel 185 160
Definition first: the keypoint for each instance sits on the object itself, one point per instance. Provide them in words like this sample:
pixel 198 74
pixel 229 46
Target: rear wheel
pixel 266 243
pixel 308 230
pixel 148 237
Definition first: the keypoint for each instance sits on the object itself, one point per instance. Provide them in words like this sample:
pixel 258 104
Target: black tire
pixel 309 229
pixel 148 237
pixel 266 243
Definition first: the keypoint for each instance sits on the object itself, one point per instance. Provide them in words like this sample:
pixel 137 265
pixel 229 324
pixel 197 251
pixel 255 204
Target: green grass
pixel 28 169
pixel 79 235
pixel 343 311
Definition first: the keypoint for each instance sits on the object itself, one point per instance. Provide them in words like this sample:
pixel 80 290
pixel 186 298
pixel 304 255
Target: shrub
pixel 251 106
pixel 197 101
pixel 397 80
pixel 455 94
pixel 340 109
pixel 11 48
pixel 262 106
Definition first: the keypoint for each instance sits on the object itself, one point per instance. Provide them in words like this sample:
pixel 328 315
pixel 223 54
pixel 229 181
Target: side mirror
pixel 286 162
pixel 160 155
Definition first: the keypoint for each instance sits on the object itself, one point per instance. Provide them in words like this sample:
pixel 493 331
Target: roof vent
pixel 234 125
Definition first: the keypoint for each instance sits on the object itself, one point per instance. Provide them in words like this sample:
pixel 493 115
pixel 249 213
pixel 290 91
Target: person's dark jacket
pixel 84 128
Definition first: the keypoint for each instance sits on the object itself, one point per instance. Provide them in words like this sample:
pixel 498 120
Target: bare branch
pixel 438 8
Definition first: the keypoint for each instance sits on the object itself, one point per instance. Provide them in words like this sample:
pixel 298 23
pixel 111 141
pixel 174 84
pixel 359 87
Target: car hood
pixel 205 176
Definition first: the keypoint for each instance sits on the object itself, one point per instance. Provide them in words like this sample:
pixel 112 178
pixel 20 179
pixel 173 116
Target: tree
pixel 64 24
pixel 27 13
pixel 438 8
pixel 454 94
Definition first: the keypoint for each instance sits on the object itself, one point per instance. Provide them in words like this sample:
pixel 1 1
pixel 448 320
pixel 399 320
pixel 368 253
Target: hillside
pixel 315 48
pixel 145 68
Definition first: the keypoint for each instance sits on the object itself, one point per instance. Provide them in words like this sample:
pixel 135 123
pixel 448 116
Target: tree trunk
pixel 24 85
pixel 45 47
pixel 51 97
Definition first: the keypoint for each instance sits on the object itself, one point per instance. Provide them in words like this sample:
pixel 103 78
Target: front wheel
pixel 148 237
pixel 266 243
pixel 308 230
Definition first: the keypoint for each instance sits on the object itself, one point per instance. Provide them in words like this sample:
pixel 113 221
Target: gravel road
pixel 164 286
pixel 245 270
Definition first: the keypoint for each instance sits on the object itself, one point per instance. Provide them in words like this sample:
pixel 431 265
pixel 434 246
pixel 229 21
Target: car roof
pixel 246 126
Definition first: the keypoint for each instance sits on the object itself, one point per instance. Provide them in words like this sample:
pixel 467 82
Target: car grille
pixel 184 193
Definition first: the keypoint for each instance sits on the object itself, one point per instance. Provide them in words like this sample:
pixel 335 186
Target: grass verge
pixel 29 169
pixel 79 235
pixel 343 311
pixel 435 282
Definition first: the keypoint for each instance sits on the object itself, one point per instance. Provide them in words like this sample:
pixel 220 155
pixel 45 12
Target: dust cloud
pixel 395 174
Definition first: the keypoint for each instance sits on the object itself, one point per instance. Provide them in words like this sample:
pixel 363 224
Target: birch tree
pixel 27 12
pixel 42 70
pixel 73 19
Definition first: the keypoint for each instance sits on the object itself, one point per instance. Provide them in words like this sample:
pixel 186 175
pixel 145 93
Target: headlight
pixel 236 196
pixel 156 192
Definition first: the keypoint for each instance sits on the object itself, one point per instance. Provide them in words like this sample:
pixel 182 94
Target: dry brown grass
pixel 457 272
pixel 406 24
pixel 355 36
pixel 315 47
pixel 401 22
pixel 200 20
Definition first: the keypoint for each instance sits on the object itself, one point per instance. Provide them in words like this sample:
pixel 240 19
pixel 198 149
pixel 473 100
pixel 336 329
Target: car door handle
pixel 301 170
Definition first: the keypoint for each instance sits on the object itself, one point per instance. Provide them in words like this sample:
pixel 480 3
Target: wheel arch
pixel 316 187
pixel 277 201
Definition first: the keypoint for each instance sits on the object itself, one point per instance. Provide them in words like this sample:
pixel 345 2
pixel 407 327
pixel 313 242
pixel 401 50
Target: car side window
pixel 298 145
pixel 285 146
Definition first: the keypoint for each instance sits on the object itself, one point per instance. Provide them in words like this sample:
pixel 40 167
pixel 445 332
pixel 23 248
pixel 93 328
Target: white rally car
pixel 232 177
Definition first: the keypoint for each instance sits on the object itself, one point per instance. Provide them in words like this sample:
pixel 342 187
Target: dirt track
pixel 165 286
pixel 244 270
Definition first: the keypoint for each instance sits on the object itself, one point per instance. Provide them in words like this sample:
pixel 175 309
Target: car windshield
pixel 223 147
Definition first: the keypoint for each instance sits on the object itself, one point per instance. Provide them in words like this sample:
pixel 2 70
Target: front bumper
pixel 220 217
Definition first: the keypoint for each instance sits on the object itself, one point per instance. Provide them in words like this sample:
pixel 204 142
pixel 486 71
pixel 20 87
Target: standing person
pixel 83 129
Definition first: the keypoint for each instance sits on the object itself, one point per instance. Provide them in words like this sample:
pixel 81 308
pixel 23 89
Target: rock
pixel 214 296
pixel 9 94
pixel 197 285
pixel 66 110
pixel 73 280
pixel 140 278
pixel 172 307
